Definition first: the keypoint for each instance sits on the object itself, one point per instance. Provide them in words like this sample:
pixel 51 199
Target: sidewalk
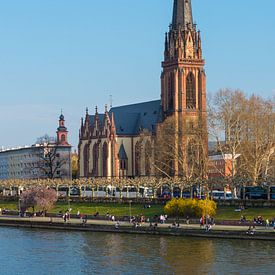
pixel 73 221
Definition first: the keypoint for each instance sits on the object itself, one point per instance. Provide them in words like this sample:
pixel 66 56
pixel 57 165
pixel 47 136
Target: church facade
pixel 121 142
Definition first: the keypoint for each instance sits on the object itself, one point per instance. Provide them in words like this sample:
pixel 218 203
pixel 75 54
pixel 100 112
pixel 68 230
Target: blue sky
pixel 71 54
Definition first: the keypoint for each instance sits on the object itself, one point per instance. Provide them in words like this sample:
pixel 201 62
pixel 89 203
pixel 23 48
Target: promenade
pixel 194 230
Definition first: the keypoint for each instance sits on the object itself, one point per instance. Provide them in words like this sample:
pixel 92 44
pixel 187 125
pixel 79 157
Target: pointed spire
pixel 106 108
pixel 96 110
pixel 182 14
pixel 166 42
pixel 87 111
pixel 113 124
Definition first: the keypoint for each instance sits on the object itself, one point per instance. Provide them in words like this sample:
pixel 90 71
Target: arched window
pixel 86 160
pixel 148 155
pixel 105 160
pixel 95 160
pixel 190 92
pixel 171 92
pixel 138 159
pixel 63 138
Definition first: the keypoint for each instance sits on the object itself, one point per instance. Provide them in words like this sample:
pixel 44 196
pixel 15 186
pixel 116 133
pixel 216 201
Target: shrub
pixel 190 207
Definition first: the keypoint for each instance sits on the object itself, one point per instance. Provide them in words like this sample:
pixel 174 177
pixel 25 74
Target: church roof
pixel 130 119
pixel 100 116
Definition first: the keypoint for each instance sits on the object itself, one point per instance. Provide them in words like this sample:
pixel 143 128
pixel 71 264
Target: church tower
pixel 62 132
pixel 183 80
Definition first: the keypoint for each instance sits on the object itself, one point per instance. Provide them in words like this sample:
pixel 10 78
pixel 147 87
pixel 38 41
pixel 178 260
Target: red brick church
pixel 121 141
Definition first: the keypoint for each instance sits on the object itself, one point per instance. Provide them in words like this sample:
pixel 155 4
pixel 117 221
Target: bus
pixel 272 192
pixel 221 195
pixel 254 193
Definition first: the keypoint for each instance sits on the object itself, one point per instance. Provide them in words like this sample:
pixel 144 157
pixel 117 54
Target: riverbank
pixel 147 210
pixel 218 231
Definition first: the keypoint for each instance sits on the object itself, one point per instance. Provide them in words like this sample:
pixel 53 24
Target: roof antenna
pixel 111 101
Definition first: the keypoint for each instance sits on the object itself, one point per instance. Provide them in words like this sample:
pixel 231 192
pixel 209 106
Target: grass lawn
pixel 223 213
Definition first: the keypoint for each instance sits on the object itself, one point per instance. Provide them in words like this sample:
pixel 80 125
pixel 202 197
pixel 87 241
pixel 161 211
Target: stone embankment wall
pixel 227 234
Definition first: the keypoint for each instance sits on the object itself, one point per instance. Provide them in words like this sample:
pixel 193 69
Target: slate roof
pixel 101 119
pixel 130 119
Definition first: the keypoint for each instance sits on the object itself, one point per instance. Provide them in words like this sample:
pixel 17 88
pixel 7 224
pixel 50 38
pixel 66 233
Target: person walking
pixel 267 224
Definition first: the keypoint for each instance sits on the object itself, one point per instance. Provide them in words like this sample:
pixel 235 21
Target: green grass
pixel 102 208
pixel 223 213
pixel 229 213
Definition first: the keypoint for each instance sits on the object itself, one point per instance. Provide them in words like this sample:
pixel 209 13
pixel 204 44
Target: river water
pixel 26 251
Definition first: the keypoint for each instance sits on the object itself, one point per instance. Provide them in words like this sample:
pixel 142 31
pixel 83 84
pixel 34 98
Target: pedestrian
pixel 202 222
pixel 267 223
pixel 78 214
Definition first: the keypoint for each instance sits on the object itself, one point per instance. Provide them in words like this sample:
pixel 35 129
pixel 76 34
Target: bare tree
pixel 258 141
pixel 51 162
pixel 243 126
pixel 181 152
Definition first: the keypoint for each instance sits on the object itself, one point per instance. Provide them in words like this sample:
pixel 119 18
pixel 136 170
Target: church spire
pixel 182 14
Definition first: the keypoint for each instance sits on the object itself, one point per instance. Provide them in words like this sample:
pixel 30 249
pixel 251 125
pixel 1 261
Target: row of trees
pixel 244 127
pixel 243 130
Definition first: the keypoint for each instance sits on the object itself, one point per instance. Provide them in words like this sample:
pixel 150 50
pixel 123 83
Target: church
pixel 121 142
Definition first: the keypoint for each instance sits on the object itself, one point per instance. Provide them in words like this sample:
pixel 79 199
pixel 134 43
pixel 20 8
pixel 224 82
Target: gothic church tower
pixel 183 80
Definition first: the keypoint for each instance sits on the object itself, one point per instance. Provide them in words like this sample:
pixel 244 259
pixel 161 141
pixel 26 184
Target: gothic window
pixel 190 92
pixel 171 91
pixel 105 160
pixel 148 154
pixel 200 91
pixel 95 160
pixel 123 164
pixel 86 160
pixel 63 138
pixel 138 159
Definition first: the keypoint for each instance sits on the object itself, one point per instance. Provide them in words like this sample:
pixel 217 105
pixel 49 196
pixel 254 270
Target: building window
pixel 95 159
pixel 171 92
pixel 63 138
pixel 148 154
pixel 86 160
pixel 190 92
pixel 105 159
pixel 138 159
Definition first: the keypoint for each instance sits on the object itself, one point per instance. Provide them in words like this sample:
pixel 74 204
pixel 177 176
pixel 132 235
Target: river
pixel 25 251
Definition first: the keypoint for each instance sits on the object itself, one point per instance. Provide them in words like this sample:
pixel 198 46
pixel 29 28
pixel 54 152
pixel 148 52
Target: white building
pixel 32 162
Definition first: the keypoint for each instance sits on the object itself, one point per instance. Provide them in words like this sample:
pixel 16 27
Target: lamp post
pixel 19 207
pixel 130 210
pixel 69 204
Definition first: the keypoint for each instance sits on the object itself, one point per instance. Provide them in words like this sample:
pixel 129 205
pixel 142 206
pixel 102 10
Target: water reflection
pixel 50 252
